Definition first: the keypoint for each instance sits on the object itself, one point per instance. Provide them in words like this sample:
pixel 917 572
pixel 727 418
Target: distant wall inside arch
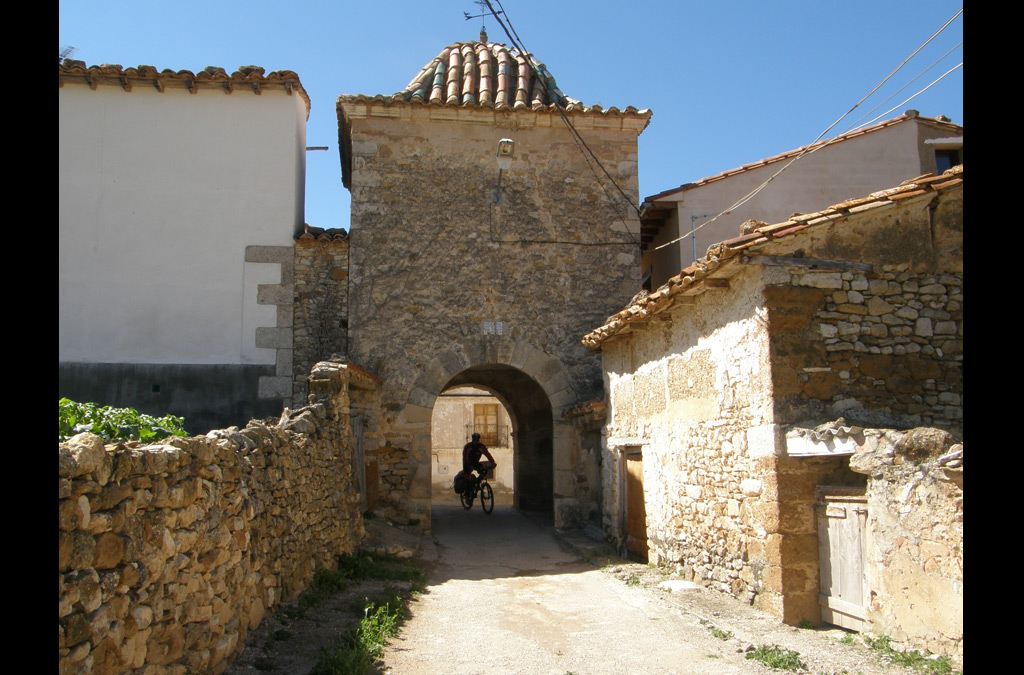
pixel 536 387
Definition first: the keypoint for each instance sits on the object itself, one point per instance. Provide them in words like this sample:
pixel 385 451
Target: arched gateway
pixel 462 271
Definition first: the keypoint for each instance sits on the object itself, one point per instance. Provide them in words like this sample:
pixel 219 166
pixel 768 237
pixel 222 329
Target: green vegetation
pixel 847 639
pixel 114 424
pixel 632 580
pixel 354 567
pixel 777 658
pixel 910 659
pixel 363 645
pixel 717 632
pixel 805 625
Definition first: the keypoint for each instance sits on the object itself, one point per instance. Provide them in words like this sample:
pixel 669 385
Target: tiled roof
pixel 936 122
pixel 710 270
pixel 212 78
pixel 491 75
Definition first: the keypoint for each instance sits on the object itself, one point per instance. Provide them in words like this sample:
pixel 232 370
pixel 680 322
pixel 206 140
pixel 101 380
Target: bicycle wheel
pixel 467 499
pixel 486 498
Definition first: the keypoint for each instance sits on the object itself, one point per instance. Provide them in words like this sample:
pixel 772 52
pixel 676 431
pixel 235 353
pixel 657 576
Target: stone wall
pixel 170 553
pixel 880 340
pixel 882 348
pixel 320 326
pixel 694 393
pixel 456 269
pixel 916 548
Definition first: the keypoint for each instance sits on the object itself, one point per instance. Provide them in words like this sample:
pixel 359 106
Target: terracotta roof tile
pixel 491 75
pixel 211 77
pixel 724 253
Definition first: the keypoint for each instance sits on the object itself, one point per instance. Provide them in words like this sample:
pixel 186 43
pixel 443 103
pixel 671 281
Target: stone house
pixel 179 196
pixel 474 217
pixel 458 414
pixel 738 391
pixel 676 223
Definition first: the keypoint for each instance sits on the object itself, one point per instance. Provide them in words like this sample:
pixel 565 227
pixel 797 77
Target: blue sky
pixel 729 82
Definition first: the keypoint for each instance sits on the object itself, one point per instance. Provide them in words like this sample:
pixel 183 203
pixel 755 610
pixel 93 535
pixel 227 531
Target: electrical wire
pixel 516 41
pixel 810 148
pixel 896 93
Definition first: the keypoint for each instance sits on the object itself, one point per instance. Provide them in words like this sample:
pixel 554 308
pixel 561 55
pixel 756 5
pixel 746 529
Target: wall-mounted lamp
pixel 506 149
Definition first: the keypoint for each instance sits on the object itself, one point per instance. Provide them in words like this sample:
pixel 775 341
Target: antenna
pixel 66 53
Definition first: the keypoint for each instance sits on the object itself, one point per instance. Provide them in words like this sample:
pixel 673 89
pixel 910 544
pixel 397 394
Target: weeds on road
pixel 717 632
pixel 363 645
pixel 910 659
pixel 777 658
pixel 353 567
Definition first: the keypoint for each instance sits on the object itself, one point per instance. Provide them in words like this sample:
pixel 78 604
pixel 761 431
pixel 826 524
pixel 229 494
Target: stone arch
pixel 536 387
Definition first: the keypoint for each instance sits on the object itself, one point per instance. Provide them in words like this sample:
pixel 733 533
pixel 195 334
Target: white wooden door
pixel 842 554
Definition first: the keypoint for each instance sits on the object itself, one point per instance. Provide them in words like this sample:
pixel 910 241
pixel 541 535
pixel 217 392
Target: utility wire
pixel 912 97
pixel 808 149
pixel 516 41
pixel 897 92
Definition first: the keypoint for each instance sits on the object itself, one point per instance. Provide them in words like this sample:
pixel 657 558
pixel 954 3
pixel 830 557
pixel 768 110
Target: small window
pixel 485 422
pixel 946 159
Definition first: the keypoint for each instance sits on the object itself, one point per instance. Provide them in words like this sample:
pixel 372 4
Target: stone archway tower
pixel 455 259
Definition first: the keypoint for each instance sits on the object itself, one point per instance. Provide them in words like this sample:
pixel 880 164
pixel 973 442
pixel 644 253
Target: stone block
pixel 274 338
pixel 269 254
pixel 275 294
pixel 765 441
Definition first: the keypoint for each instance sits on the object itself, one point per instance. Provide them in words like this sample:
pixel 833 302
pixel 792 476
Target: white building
pixel 675 224
pixel 179 197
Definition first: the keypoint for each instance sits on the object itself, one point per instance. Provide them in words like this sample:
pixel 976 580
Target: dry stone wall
pixel 916 548
pixel 170 553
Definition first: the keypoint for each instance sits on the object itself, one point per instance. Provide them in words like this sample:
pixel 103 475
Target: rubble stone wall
pixel 881 345
pixel 694 392
pixel 882 349
pixel 916 547
pixel 320 304
pixel 452 259
pixel 170 553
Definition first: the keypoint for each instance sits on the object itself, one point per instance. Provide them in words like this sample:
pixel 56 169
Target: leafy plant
pixel 777 658
pixel 847 639
pixel 364 645
pixel 922 663
pixel 114 424
pixel 805 625
pixel 632 580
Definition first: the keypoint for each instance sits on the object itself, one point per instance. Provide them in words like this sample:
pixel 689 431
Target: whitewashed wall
pixel 159 194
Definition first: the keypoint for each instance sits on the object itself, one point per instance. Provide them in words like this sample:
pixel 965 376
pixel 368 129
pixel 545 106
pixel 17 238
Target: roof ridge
pixel 774 159
pixel 718 254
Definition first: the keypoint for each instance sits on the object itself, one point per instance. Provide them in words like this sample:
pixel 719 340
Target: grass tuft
pixel 777 658
pixel 922 663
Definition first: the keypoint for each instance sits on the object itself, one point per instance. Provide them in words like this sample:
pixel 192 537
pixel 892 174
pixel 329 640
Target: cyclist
pixel 471 456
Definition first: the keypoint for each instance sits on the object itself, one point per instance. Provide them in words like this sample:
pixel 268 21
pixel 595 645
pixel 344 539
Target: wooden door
pixel 842 555
pixel 636 508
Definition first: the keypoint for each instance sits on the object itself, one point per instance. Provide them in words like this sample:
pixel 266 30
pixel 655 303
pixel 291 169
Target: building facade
pixel 469 271
pixel 179 197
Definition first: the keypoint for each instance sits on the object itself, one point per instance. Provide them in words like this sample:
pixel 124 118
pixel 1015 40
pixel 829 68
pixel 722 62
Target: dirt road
pixel 505 598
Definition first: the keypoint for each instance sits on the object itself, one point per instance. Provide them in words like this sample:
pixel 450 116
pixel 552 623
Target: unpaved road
pixel 503 597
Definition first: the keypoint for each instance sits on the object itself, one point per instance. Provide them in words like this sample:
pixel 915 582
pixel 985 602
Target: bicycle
pixel 479 485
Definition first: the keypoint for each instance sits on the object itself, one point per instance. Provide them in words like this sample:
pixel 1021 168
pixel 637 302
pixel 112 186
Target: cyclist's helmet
pixel 476 437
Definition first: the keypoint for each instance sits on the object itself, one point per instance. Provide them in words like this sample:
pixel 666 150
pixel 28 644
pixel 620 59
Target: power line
pixel 516 41
pixel 808 149
pixel 897 92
